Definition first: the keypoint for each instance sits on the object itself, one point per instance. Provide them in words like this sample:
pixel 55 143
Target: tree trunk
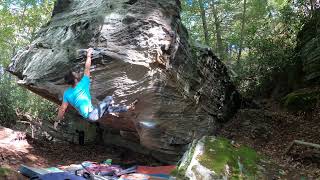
pixel 242 29
pixel 217 23
pixel 204 22
pixel 312 7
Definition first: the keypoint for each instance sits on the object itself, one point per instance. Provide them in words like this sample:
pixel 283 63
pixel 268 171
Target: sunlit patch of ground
pixel 17 149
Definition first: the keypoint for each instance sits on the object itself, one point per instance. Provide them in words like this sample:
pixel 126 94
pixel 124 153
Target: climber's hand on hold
pixel 89 52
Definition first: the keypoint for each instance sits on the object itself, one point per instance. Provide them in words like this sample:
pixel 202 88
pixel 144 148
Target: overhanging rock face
pixel 142 52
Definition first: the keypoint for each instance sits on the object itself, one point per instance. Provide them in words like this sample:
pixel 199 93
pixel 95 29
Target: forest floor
pixel 17 149
pixel 270 130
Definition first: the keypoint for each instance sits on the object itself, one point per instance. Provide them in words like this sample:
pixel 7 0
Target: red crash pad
pixel 155 170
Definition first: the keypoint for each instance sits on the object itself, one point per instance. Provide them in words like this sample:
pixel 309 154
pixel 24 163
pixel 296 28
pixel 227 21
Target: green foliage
pixel 19 21
pixel 7 112
pixel 267 41
pixel 301 100
pixel 4 172
pixel 219 152
pixel 14 98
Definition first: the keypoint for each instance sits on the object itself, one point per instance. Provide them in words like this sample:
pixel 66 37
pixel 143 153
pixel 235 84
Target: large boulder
pixel 308 49
pixel 142 51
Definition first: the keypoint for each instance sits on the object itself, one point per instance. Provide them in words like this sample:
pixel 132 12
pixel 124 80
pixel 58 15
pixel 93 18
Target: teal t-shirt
pixel 79 96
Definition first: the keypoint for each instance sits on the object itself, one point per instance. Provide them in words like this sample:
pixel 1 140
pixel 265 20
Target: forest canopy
pixel 19 22
pixel 255 38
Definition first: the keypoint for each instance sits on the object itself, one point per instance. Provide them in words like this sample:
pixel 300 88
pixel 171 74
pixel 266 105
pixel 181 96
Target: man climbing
pixel 78 95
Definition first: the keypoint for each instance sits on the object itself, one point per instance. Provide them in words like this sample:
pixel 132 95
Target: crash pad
pixel 155 170
pixel 127 171
pixel 31 171
pixel 59 176
pixel 138 176
pixel 53 169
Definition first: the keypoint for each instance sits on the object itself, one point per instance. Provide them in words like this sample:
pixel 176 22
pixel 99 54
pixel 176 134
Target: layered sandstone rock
pixel 142 51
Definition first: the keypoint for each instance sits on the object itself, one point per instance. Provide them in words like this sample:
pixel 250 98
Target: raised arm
pixel 88 62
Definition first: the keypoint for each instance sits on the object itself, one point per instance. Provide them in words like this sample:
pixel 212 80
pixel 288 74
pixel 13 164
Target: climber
pixel 78 95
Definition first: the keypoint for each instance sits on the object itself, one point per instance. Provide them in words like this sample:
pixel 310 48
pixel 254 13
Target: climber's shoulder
pixel 85 80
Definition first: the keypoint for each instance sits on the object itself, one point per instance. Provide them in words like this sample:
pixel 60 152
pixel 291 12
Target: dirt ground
pixel 270 130
pixel 17 149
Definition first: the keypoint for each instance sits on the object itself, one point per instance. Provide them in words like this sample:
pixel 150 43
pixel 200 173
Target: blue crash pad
pixel 31 172
pixel 60 176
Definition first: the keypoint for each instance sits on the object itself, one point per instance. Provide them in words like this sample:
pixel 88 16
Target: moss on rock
pixel 301 100
pixel 219 153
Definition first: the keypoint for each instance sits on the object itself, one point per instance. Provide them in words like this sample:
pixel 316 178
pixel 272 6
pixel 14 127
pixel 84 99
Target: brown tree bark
pixel 204 22
pixel 312 7
pixel 217 23
pixel 242 29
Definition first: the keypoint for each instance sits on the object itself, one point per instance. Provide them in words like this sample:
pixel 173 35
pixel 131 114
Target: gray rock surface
pixel 193 168
pixel 308 49
pixel 142 51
